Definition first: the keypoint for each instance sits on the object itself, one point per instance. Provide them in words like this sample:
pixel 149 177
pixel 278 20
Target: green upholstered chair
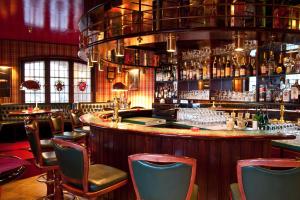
pixel 261 179
pixel 81 178
pixel 44 160
pixel 163 177
pixel 56 120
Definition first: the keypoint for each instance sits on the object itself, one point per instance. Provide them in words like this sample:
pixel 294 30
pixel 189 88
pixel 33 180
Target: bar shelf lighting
pixel 171 43
pixel 120 48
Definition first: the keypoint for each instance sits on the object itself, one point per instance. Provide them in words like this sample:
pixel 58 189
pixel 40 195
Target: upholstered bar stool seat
pixel 46 145
pixel 84 129
pixel 72 135
pixel 103 176
pixel 49 158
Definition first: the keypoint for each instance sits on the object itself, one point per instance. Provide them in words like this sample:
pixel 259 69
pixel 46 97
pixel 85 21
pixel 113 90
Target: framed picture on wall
pixel 111 73
pixel 5 82
pixel 133 79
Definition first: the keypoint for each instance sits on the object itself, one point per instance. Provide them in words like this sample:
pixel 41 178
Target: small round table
pixel 11 167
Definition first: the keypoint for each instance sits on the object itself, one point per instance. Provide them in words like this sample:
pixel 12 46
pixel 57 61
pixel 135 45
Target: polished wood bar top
pixel 96 120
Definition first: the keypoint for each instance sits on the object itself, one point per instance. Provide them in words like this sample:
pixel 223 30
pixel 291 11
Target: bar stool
pixel 56 120
pixel 78 126
pixel 81 178
pixel 255 182
pixel 43 160
pixel 159 177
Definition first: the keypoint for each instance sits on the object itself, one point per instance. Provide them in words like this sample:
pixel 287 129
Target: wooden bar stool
pixel 56 121
pixel 160 177
pixel 81 178
pixel 280 180
pixel 44 160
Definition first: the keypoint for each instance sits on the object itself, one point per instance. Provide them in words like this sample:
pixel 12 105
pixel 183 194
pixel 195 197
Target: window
pixel 59 81
pixel 82 83
pixel 54 78
pixel 35 71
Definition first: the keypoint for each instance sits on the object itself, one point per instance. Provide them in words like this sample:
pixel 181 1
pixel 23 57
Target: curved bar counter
pixel 216 152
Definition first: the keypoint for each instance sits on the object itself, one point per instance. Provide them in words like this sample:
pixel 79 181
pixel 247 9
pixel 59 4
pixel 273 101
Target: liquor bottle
pixel 280 68
pixel 286 94
pixel 204 70
pixel 263 67
pixel 262 91
pixel 232 68
pixel 184 71
pixel 214 73
pixel 295 92
pixel 249 70
pixel 228 67
pixel 253 64
pixel 271 64
pixel 269 92
pixel 243 68
pixel 223 65
pixel 219 68
pixel 236 71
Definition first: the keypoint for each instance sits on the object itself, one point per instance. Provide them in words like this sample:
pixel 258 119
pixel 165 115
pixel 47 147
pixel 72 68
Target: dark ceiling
pixel 53 21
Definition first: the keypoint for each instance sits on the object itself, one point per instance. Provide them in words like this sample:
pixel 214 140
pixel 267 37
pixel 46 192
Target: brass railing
pixel 103 24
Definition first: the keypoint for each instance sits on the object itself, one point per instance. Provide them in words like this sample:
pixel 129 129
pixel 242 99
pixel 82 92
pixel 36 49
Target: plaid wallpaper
pixel 12 51
pixel 144 96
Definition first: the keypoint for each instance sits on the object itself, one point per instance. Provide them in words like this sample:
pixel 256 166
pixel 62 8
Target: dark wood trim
pixel 71 81
pixel 159 158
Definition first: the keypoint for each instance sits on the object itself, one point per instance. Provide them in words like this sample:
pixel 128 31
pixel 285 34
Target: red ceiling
pixel 53 21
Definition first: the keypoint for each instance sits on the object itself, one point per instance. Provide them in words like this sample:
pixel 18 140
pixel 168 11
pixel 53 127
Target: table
pixel 11 167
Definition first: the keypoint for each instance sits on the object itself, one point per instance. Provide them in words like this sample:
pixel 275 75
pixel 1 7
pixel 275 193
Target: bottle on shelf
pixel 249 68
pixel 269 93
pixel 271 64
pixel 219 68
pixel 214 71
pixel 286 93
pixel 204 70
pixel 184 71
pixel 228 67
pixel 223 66
pixel 295 92
pixel 243 68
pixel 280 68
pixel 236 70
pixel 263 66
pixel 253 64
pixel 262 90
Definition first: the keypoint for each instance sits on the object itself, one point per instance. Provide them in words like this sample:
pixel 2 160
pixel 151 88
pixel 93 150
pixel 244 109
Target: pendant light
pixel 171 43
pixel 120 48
pixel 239 42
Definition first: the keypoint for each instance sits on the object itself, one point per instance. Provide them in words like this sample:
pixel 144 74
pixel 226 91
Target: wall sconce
pixel 89 62
pixel 119 69
pixel 171 43
pixel 239 42
pixel 120 48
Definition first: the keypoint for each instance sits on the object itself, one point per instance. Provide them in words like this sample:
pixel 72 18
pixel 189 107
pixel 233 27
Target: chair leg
pixel 50 184
pixel 58 195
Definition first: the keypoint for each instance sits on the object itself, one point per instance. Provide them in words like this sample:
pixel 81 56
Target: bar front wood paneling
pixel 216 156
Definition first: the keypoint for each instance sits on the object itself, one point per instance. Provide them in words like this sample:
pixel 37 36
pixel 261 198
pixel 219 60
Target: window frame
pixel 47 60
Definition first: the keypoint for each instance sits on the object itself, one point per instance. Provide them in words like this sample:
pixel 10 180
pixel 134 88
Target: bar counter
pixel 216 152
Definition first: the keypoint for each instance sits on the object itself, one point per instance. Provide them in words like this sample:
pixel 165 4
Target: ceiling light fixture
pixel 171 43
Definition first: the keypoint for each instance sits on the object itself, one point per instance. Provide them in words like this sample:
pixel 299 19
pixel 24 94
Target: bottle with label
pixel 205 70
pixel 262 91
pixel 280 68
pixel 219 68
pixel 295 92
pixel 249 69
pixel 214 73
pixel 271 64
pixel 228 67
pixel 243 68
pixel 263 66
pixel 184 71
pixel 236 71
pixel 253 64
pixel 269 92
pixel 286 94
pixel 223 66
